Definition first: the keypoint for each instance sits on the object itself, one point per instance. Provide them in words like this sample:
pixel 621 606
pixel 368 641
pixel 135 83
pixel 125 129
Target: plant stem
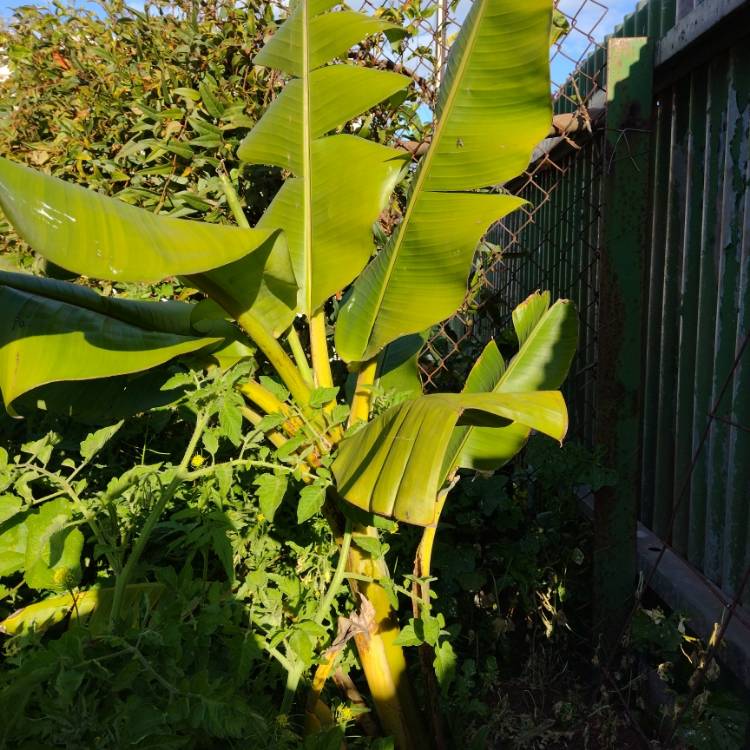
pixel 252 416
pixel 188 476
pixel 322 365
pixel 293 677
pixel 300 357
pixel 233 200
pixel 277 357
pixel 152 519
pixel 384 662
pixel 140 545
pixel 338 576
pixel 422 563
pixel 319 349
pixel 424 555
pixel 261 396
pixel 363 392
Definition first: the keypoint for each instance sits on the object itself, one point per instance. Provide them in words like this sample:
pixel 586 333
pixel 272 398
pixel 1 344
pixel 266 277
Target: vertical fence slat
pixel 663 490
pixel 660 181
pixel 725 329
pixel 711 221
pixel 688 310
pixel 629 93
pixel 734 557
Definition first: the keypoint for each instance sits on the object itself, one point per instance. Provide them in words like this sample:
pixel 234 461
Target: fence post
pixel 621 304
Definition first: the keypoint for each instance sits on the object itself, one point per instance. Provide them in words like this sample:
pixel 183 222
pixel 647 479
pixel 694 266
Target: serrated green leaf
pixel 13 534
pixel 310 502
pixel 53 548
pixel 369 544
pixel 321 396
pixel 230 418
pixel 9 506
pixel 430 629
pixel 95 441
pixel 445 664
pixel 275 387
pixel 408 636
pixel 271 490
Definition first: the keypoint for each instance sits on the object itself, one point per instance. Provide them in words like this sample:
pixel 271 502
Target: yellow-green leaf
pixel 393 466
pixel 94 235
pixel 493 108
pixel 56 331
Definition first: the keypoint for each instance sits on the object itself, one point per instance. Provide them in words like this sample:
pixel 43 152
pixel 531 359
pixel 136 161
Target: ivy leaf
pixel 321 396
pixel 53 548
pixel 310 502
pixel 271 489
pixel 94 442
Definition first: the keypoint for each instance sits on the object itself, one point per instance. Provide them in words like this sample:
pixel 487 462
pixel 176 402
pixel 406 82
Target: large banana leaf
pixel 93 235
pixel 341 183
pixel 56 331
pixel 398 366
pixel 493 108
pixel 261 283
pixel 393 466
pixel 548 339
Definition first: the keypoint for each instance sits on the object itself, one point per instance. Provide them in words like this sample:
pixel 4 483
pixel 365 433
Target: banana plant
pixel 314 242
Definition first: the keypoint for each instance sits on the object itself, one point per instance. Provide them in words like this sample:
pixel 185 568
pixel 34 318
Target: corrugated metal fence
pixel 694 389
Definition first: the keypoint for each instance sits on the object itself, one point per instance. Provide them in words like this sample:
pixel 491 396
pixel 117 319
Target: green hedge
pixel 148 105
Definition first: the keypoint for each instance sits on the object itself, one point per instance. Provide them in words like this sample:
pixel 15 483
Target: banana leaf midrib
pixel 424 167
pixel 306 157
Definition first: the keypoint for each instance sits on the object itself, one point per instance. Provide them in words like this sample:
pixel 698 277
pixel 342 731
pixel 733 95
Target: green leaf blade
pixel 394 465
pixel 53 548
pixel 488 124
pixel 420 276
pixel 101 237
pixel 61 332
pixel 548 336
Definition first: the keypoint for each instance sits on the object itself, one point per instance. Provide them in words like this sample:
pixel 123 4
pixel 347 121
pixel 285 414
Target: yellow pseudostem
pixel 383 662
